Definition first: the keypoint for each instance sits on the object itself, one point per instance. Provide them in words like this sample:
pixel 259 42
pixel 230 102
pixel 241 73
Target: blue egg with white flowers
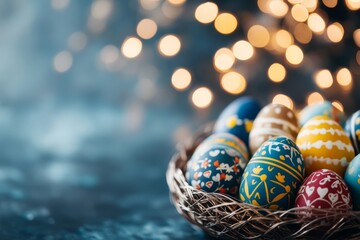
pixel 352 129
pixel 352 180
pixel 237 118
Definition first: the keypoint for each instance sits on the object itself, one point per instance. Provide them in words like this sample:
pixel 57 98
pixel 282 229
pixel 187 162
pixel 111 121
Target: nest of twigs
pixel 226 217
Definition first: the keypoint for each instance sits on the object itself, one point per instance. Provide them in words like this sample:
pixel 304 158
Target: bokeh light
pixel 283 100
pixel 77 41
pixel 233 82
pixel 283 38
pixel 338 105
pixel 224 59
pixel 356 35
pixel 258 36
pixel 225 23
pixel 131 47
pixel 169 45
pixel 323 78
pixel 243 50
pixel 206 12
pixel 146 28
pixel 181 79
pixel 63 61
pixel 202 97
pixel 353 5
pixel 109 54
pixel 316 23
pixel 330 3
pixel 303 33
pixel 149 4
pixel 314 98
pixel 177 2
pixel 101 9
pixel 343 77
pixel 276 72
pixel 299 12
pixel 335 32
pixel 294 55
pixel 278 8
pixel 310 5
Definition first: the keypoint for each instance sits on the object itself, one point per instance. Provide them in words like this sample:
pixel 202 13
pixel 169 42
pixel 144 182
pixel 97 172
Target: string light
pixel 294 55
pixel 146 28
pixel 323 78
pixel 225 23
pixel 224 59
pixel 243 50
pixel 181 79
pixel 276 72
pixel 335 32
pixel 283 100
pixel 131 47
pixel 314 98
pixel 233 82
pixel 169 45
pixel 202 97
pixel 258 36
pixel 206 12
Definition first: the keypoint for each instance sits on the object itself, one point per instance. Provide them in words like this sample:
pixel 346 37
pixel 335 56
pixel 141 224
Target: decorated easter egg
pixel 352 129
pixel 352 180
pixel 224 140
pixel 216 170
pixel 322 109
pixel 273 175
pixel 324 189
pixel 237 118
pixel 324 144
pixel 273 120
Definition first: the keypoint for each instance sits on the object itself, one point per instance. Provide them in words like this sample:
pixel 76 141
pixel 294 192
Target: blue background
pixel 83 154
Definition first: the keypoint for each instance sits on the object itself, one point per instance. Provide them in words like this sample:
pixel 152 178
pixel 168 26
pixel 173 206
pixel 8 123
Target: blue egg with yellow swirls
pixel 237 118
pixel 352 129
pixel 352 180
pixel 216 170
pixel 273 175
pixel 322 109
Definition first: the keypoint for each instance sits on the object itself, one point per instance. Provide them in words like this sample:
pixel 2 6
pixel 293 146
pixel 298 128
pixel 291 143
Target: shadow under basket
pixel 225 217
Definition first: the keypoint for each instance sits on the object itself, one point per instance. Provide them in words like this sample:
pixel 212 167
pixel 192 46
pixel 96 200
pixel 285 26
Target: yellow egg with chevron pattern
pixel 324 144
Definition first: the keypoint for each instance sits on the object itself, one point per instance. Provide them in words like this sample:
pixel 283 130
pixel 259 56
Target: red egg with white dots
pixel 324 189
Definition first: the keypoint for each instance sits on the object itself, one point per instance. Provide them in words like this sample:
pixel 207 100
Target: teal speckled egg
pixel 274 175
pixel 322 109
pixel 352 180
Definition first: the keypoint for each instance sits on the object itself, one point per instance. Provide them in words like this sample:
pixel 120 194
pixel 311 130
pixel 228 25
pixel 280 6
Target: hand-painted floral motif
pixel 215 171
pixel 324 189
pixel 273 175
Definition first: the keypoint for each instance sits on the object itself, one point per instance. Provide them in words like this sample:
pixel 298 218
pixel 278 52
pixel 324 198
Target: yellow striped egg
pixel 324 144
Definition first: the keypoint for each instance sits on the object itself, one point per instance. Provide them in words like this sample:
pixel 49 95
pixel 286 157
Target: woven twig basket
pixel 226 217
